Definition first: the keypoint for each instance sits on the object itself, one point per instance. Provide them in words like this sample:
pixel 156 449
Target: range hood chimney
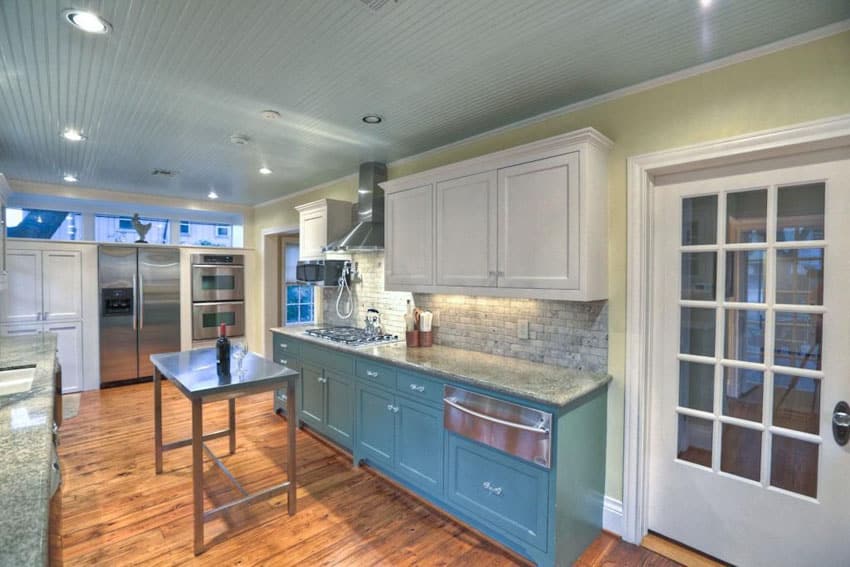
pixel 368 234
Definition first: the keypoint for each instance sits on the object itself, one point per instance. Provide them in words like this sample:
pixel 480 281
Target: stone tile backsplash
pixel 563 333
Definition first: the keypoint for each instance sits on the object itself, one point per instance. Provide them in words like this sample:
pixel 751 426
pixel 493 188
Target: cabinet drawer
pixel 501 491
pixel 383 375
pixel 285 346
pixel 420 388
pixel 327 358
pixel 288 361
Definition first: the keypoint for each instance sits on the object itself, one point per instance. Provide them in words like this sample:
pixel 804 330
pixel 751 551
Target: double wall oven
pixel 218 295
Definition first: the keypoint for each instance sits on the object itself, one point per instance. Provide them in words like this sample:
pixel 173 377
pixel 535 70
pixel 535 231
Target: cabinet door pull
pixel 417 388
pixel 283 361
pixel 284 345
pixel 322 380
pixel 392 408
pixel 494 490
pixel 371 373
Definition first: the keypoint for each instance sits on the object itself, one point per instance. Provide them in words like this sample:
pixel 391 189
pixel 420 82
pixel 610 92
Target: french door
pixel 750 355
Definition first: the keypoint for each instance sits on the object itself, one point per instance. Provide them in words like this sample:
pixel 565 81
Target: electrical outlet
pixel 435 322
pixel 522 329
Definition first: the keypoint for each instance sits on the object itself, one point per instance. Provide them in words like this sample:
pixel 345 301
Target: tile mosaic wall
pixel 563 333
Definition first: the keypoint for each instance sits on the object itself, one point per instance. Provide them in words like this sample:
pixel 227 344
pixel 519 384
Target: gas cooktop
pixel 351 336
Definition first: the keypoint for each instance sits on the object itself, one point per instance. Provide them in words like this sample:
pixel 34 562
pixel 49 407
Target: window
pixel 108 228
pixel 205 234
pixel 42 223
pixel 299 300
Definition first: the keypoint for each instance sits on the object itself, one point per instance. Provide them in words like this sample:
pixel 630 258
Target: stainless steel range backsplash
pixel 563 333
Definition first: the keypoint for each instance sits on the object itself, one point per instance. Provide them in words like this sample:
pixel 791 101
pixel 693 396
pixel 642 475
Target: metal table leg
pixel 231 406
pixel 291 427
pixel 157 419
pixel 198 473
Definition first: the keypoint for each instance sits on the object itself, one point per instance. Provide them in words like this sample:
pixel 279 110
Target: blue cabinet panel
pixel 419 445
pixel 375 424
pixel 501 491
pixel 340 407
pixel 328 359
pixel 312 406
pixel 419 387
pixel 284 346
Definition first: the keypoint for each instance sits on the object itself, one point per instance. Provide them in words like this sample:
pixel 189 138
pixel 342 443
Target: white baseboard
pixel 612 516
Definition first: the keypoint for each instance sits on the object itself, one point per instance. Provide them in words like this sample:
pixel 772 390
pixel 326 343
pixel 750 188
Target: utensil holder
pixel 412 338
pixel 426 338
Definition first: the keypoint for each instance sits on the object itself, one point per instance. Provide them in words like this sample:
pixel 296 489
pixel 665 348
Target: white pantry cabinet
pixel 321 222
pixel 530 221
pixel 68 345
pixel 43 285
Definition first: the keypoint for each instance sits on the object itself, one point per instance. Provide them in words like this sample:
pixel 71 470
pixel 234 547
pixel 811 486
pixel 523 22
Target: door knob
pixel 841 423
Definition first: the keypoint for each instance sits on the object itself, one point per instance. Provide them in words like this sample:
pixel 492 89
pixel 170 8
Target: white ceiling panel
pixel 175 79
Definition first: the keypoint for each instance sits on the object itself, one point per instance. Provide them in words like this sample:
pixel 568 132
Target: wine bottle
pixel 222 352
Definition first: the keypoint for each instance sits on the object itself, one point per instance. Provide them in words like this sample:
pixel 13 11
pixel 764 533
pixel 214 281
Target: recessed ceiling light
pixel 212 195
pixel 270 114
pixel 239 139
pixel 87 21
pixel 70 178
pixel 73 135
pixel 705 4
pixel 265 171
pixel 373 119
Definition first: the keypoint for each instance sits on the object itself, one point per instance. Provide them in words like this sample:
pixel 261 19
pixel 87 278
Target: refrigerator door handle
pixel 142 304
pixel 135 301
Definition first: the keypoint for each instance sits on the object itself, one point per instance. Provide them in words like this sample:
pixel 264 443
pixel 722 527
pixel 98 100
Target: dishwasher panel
pixel 517 430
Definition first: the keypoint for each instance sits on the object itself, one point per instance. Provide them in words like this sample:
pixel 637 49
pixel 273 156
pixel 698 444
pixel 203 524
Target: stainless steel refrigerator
pixel 139 309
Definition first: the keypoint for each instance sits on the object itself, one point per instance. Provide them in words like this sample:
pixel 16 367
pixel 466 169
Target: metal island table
pixel 194 373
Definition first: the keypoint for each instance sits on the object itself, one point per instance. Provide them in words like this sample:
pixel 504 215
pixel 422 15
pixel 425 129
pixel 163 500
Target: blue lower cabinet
pixel 339 394
pixel 376 411
pixel 499 490
pixel 312 406
pixel 419 445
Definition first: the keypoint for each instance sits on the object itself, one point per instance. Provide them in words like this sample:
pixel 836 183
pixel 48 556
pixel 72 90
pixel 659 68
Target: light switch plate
pixel 522 329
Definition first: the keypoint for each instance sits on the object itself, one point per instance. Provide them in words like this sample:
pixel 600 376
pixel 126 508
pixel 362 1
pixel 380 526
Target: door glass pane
pixel 699 271
pixel 741 451
pixel 799 276
pixel 799 338
pixel 800 212
pixel 697 331
pixel 745 276
pixel 745 335
pixel 746 216
pixel 796 403
pixel 794 465
pixel 743 391
pixel 695 437
pixel 696 386
pixel 699 220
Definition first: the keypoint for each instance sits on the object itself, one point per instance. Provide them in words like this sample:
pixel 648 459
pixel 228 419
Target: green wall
pixel 799 84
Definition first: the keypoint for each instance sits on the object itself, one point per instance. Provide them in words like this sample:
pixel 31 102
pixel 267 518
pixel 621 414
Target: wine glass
pixel 239 353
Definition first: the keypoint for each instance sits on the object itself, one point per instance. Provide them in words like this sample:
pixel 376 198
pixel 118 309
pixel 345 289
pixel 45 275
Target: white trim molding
pixel 826 134
pixel 612 516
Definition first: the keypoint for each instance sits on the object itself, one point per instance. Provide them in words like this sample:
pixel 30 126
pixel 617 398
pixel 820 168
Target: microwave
pixel 320 272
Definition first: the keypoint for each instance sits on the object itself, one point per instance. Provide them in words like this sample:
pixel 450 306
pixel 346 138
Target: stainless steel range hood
pixel 368 234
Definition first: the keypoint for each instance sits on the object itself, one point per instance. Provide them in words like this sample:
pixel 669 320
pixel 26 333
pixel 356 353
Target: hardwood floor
pixel 116 511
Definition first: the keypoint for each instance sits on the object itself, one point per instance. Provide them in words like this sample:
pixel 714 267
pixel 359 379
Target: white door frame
pixel 270 277
pixel 824 134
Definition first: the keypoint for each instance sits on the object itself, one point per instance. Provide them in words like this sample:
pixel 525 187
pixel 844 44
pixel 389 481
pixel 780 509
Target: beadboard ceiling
pixel 176 78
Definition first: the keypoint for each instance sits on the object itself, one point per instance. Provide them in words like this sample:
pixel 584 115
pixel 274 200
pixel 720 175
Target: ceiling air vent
pixel 380 5
pixel 164 172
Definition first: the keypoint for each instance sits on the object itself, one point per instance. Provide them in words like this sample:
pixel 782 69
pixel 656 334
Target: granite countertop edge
pixel 26 443
pixel 563 387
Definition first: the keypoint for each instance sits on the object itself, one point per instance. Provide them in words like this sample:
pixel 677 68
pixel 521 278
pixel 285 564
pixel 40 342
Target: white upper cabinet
pixel 466 231
pixel 23 297
pixel 531 221
pixel 321 222
pixel 409 225
pixel 539 224
pixel 44 285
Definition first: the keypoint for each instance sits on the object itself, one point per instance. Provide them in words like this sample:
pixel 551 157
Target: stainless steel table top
pixel 194 373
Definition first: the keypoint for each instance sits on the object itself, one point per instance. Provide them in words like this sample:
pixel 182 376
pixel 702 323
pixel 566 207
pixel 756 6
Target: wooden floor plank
pixel 117 511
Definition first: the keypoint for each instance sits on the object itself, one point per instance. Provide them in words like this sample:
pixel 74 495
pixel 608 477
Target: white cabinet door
pixel 314 234
pixel 410 236
pixel 62 287
pixel 539 224
pixel 467 215
pixel 23 296
pixel 70 353
pixel 20 329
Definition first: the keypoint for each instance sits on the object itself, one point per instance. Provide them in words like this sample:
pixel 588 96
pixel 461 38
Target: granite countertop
pixel 542 383
pixel 26 452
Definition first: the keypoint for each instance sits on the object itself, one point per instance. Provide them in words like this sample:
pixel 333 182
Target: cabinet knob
pixel 284 345
pixel 417 388
pixel 392 408
pixel 322 380
pixel 371 373
pixel 283 361
pixel 494 490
